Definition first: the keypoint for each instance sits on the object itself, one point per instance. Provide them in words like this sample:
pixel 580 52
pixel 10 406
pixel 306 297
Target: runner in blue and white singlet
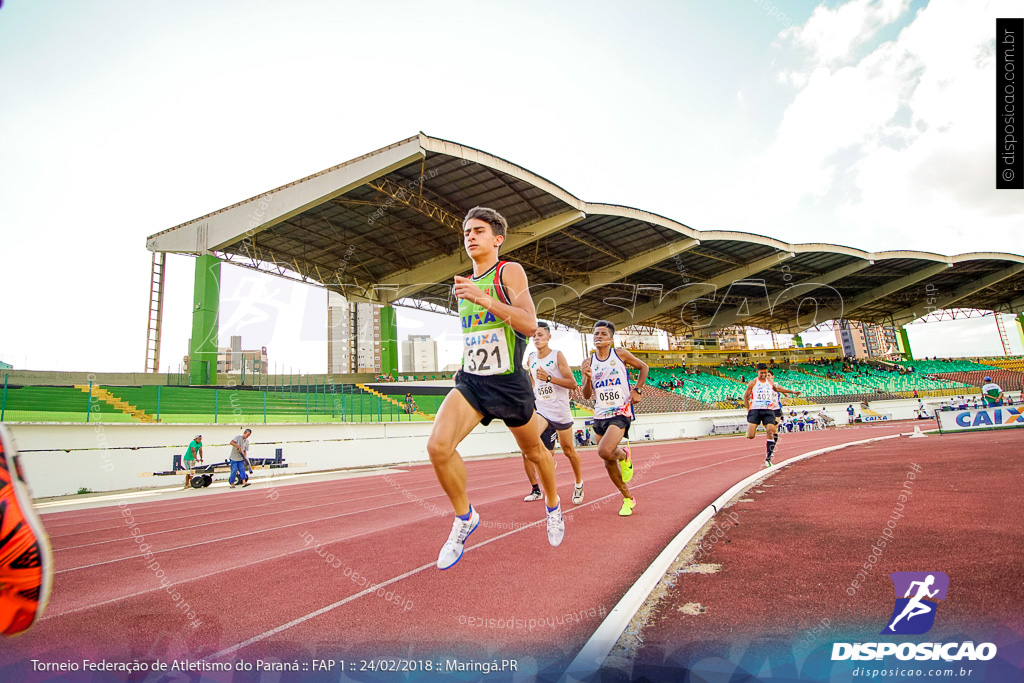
pixel 762 399
pixel 552 379
pixel 607 381
pixel 611 387
pixel 552 400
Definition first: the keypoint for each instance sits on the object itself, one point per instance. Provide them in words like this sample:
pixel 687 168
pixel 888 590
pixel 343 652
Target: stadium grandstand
pixel 385 229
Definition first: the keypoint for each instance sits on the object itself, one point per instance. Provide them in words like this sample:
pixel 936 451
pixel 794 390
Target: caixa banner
pixel 981 418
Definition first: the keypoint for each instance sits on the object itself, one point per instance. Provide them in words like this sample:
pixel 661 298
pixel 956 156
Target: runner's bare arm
pixel 633 362
pixel 588 387
pixel 748 393
pixel 519 313
pixel 567 380
pixel 780 390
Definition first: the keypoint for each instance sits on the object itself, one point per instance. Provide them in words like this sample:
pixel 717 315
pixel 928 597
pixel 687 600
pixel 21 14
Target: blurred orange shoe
pixel 26 562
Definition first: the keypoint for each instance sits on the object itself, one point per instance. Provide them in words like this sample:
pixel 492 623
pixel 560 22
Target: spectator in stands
pixel 408 403
pixel 915 393
pixel 238 459
pixel 991 394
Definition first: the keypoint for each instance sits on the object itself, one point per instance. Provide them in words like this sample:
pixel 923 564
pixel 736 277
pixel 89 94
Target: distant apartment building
pixel 630 338
pixel 353 336
pixel 233 359
pixel 865 340
pixel 732 338
pixel 419 354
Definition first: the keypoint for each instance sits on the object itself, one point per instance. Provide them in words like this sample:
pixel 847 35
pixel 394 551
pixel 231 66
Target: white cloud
pixel 887 146
pixel 832 35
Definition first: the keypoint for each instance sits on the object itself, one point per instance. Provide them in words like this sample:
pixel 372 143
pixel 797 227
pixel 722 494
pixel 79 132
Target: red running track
pixel 290 571
pixel 791 551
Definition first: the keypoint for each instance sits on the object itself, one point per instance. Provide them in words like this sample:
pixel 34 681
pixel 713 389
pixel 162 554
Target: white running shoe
pixel 556 526
pixel 577 494
pixel 451 551
pixel 534 495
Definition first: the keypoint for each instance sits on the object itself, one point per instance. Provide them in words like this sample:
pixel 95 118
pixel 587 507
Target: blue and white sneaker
pixel 451 551
pixel 556 525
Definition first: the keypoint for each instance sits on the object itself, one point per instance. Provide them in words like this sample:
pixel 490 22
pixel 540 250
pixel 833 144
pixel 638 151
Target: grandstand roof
pixel 386 227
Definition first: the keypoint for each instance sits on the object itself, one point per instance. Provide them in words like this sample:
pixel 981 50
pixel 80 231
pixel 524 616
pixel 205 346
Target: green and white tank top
pixel 489 346
pixel 552 400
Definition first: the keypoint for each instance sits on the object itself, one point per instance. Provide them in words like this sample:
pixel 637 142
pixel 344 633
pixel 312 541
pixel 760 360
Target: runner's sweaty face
pixel 479 239
pixel 762 375
pixel 602 337
pixel 541 338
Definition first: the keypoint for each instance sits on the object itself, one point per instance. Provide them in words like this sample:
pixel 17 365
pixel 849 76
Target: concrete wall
pixel 61 458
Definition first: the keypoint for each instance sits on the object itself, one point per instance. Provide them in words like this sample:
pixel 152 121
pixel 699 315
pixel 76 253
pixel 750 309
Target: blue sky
pixel 867 123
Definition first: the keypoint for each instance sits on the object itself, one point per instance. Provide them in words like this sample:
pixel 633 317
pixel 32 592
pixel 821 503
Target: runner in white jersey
pixel 761 399
pixel 606 377
pixel 552 379
pixel 778 411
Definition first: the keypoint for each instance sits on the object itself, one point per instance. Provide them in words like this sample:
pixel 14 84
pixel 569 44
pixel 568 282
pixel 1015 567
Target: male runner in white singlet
pixel 552 379
pixel 760 399
pixel 606 378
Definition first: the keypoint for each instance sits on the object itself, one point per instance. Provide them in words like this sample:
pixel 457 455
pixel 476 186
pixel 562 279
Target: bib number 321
pixel 486 353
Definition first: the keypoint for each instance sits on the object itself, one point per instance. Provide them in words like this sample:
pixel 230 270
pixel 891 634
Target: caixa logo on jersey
pixel 917 601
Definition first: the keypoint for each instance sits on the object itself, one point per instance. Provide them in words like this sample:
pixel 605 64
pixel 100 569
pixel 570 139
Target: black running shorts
pixel 601 426
pixel 761 416
pixel 550 435
pixel 508 398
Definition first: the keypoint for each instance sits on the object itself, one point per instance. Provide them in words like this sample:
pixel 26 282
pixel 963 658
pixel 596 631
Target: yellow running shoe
pixel 626 467
pixel 627 507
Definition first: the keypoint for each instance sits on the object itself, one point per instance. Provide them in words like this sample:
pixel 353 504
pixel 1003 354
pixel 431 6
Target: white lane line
pixel 412 572
pixel 592 655
pixel 596 468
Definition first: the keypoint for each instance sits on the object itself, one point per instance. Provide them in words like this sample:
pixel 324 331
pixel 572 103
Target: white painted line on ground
pixel 593 654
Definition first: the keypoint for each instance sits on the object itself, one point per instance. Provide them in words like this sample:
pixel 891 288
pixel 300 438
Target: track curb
pixel 592 655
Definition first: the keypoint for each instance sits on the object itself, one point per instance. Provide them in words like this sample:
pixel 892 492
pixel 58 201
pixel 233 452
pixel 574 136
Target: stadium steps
pixel 1009 380
pixel 1006 363
pixel 391 400
pixel 119 403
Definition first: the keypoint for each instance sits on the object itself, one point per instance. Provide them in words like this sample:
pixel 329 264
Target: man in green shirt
pixel 991 394
pixel 195 448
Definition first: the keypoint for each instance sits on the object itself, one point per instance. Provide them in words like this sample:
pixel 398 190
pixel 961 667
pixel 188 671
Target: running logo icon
pixel 914 612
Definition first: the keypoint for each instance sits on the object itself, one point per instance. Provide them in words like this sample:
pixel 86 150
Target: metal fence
pixel 315 400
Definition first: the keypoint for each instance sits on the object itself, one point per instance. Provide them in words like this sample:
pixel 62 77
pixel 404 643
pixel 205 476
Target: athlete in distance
pixel 606 377
pixel 761 401
pixel 497 316
pixel 552 379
